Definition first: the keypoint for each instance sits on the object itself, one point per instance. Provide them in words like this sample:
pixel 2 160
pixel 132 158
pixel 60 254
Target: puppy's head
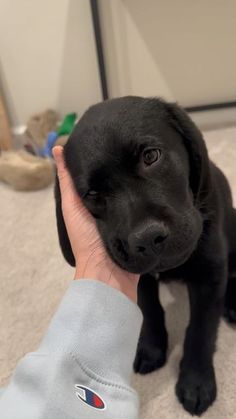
pixel 141 168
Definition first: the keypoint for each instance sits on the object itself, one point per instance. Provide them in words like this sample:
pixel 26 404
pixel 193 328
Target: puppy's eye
pixel 151 155
pixel 92 193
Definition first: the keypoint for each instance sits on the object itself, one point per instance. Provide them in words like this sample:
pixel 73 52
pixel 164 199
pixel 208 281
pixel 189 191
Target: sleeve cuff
pixel 99 326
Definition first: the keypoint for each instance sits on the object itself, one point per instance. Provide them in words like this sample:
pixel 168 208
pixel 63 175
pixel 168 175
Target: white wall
pixel 179 49
pixel 183 50
pixel 47 57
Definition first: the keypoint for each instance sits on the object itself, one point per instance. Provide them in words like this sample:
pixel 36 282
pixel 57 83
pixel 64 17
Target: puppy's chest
pixel 171 275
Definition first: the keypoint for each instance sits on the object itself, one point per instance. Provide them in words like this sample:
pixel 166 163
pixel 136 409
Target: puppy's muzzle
pixel 147 240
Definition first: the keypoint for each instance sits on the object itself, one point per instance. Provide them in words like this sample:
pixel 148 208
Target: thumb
pixel 71 201
pixel 66 185
pixel 57 152
pixel 62 171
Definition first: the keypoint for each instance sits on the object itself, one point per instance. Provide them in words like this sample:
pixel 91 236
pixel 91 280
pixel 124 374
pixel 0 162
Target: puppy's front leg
pixel 152 346
pixel 196 387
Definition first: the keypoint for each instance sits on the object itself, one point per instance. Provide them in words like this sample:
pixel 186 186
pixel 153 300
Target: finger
pixel 65 181
pixel 57 152
pixel 62 171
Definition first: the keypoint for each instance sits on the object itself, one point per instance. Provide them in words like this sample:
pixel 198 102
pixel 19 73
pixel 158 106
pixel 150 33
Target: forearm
pixel 90 342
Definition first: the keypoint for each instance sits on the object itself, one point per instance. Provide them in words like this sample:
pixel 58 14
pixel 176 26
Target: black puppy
pixel 142 169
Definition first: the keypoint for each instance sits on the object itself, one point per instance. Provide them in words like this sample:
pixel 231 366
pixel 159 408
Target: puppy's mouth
pixel 157 263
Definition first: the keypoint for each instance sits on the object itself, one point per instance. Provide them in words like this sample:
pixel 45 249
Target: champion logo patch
pixel 89 397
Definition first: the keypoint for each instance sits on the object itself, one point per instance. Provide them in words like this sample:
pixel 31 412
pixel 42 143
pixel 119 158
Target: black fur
pixel 174 217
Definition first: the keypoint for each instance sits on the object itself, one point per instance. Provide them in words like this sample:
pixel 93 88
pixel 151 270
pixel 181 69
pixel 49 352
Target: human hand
pixel 91 258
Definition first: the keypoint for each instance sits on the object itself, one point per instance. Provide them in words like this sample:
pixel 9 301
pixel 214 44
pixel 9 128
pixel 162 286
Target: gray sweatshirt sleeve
pixel 83 366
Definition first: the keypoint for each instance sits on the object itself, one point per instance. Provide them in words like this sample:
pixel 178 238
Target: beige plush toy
pixel 39 125
pixel 25 172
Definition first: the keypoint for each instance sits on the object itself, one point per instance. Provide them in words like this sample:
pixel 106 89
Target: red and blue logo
pixel 89 397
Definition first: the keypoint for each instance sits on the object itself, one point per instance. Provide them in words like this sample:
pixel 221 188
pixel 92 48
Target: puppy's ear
pixel 61 228
pixel 200 181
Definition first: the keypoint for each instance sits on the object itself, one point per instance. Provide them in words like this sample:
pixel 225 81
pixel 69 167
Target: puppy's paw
pixel 196 391
pixel 149 358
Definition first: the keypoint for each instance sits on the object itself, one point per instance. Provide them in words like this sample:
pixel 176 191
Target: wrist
pixel 110 274
pixel 98 267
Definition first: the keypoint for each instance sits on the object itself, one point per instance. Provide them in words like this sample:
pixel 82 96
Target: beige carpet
pixel 34 277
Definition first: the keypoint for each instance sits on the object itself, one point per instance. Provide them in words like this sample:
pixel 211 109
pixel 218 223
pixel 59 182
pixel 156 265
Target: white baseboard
pixel 214 119
pixel 18 130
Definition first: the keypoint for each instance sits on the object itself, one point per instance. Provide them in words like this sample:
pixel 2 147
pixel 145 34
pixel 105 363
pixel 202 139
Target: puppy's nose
pixel 147 239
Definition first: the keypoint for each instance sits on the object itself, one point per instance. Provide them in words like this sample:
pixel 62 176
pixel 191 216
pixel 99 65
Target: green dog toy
pixel 65 128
